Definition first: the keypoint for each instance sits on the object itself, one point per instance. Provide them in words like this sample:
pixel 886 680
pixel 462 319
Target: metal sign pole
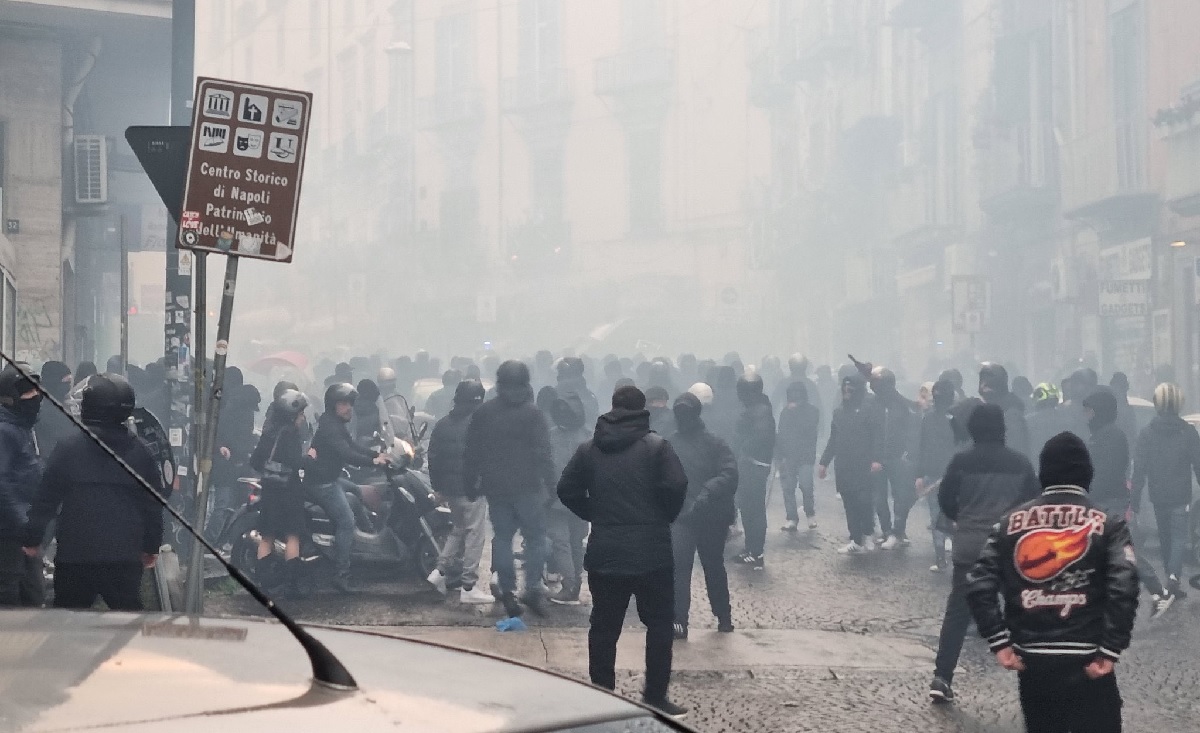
pixel 195 599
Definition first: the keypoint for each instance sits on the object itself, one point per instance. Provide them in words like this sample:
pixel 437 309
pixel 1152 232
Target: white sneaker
pixel 890 543
pixel 879 538
pixel 852 548
pixel 790 525
pixel 935 568
pixel 812 523
pixel 438 581
pixel 1161 604
pixel 476 595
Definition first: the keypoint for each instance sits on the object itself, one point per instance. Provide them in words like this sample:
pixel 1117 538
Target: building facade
pixel 73 76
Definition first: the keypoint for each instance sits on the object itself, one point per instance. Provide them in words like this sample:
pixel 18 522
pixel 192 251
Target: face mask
pixel 28 409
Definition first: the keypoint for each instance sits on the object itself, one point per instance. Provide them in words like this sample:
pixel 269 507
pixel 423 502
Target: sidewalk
pixel 706 650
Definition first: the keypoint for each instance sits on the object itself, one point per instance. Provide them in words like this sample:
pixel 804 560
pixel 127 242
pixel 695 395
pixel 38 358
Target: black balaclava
pixel 687 411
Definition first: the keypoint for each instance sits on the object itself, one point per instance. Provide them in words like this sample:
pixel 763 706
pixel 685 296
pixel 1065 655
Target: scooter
pixel 398 519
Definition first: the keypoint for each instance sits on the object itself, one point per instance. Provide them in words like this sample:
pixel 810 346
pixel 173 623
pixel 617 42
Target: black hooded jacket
pixel 104 516
pixel 799 427
pixel 937 445
pixel 447 444
pixel 508 447
pixel 630 485
pixel 984 482
pixel 1108 448
pixel 1165 459
pixel 335 449
pixel 756 430
pixel 711 471
pixel 573 384
pixel 855 437
pixel 901 427
pixel 1016 430
pixel 569 430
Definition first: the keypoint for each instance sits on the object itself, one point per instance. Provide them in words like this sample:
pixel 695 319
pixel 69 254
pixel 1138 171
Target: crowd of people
pixel 623 487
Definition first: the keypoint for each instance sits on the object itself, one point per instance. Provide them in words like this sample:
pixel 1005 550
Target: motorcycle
pixel 398 519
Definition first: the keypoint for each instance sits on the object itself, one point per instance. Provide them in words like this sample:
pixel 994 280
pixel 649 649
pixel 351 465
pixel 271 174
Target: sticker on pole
pixel 242 193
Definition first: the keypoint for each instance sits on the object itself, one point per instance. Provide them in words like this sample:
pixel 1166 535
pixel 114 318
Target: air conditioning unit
pixel 91 169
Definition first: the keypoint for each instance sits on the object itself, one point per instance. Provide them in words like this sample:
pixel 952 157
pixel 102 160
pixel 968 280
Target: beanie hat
pixel 1065 462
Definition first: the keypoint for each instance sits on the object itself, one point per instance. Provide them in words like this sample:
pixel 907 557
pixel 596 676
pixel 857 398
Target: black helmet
pixel 513 373
pixel 290 402
pixel 570 366
pixel 107 398
pixel 883 379
pixel 283 387
pixel 469 392
pixel 14 383
pixel 341 392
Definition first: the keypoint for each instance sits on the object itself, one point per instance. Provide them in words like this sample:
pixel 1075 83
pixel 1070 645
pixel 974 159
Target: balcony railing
pixel 537 90
pixel 451 107
pixel 636 70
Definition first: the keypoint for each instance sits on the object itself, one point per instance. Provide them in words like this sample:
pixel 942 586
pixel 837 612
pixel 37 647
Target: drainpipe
pixel 69 228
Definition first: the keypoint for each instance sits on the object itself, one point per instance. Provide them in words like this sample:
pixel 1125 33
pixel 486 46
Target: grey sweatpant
pixel 464 547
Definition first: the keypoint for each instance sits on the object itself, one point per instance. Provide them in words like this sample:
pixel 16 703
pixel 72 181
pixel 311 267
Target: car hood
pixel 64 670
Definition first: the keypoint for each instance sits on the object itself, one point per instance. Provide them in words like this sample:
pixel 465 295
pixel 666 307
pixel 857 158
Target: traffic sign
pixel 245 163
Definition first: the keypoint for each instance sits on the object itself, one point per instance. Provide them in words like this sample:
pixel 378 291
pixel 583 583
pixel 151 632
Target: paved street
pixel 824 642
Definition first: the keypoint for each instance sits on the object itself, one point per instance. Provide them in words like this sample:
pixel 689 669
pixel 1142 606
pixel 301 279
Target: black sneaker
pixel 568 596
pixel 1175 588
pixel 668 708
pixel 341 583
pixel 680 631
pixel 725 626
pixel 940 691
pixel 512 609
pixel 756 562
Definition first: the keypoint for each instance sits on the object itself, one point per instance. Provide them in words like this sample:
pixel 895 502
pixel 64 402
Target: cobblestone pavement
pixel 806 585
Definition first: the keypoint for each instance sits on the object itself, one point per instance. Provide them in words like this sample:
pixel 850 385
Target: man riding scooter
pixel 333 449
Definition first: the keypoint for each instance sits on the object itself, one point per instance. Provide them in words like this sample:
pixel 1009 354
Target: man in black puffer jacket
pixel 20 471
pixel 628 482
pixel 980 485
pixel 703 525
pixel 1066 572
pixel 508 461
pixel 109 529
pixel 458 565
pixel 755 448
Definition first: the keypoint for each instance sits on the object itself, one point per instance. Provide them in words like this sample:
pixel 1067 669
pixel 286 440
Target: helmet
pixel 798 364
pixel 291 402
pixel 513 373
pixel 283 387
pixel 1168 398
pixel 570 366
pixel 386 374
pixel 14 383
pixel 339 393
pixel 749 385
pixel 108 398
pixel 703 392
pixel 1045 393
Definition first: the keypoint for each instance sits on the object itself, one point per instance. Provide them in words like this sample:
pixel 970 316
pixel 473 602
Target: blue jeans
pixel 1173 536
pixel 332 498
pixel 527 514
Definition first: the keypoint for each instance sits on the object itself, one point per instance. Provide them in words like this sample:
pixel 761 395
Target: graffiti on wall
pixel 37 329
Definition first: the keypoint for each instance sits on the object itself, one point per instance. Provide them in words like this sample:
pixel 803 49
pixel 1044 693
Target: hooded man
pixel 1066 571
pixel 108 528
pixel 658 403
pixel 1045 420
pixel 755 449
pixel 722 415
pixel 981 484
pixel 1166 458
pixel 567 531
pixel 708 510
pixel 20 471
pixel 796 453
pixel 993 389
pixel 52 425
pixel 571 381
pixel 899 435
pixel 855 443
pixel 798 365
pixel 508 460
pixel 628 482
pixel 458 565
pixel 936 446
pixel 1071 415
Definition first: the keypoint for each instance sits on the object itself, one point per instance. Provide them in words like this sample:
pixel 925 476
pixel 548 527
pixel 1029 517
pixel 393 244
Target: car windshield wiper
pixel 327 669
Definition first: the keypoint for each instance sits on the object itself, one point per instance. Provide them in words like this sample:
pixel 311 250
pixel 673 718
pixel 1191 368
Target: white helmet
pixel 387 374
pixel 702 392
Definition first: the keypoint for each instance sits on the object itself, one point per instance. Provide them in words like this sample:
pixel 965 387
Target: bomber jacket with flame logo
pixel 1066 571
